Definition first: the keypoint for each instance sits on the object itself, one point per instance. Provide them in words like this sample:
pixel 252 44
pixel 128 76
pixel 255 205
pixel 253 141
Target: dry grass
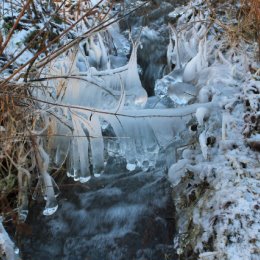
pixel 248 26
pixel 16 162
pixel 240 23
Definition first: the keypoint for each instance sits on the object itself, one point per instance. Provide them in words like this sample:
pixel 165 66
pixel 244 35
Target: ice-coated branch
pixel 7 247
pixel 24 179
pixel 140 113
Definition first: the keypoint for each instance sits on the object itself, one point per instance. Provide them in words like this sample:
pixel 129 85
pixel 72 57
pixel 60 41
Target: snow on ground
pixel 219 178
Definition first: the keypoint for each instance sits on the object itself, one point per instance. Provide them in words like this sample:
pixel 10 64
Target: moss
pixel 7 26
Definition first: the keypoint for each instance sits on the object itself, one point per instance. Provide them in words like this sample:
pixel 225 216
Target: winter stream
pixel 126 212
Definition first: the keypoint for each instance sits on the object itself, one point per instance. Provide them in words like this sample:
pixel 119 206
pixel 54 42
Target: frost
pixel 222 167
pixel 202 114
pixel 177 171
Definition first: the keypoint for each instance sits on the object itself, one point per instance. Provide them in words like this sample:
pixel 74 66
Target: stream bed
pixel 115 217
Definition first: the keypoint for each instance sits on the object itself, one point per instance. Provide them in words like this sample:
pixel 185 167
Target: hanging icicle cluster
pixel 89 94
pixel 88 90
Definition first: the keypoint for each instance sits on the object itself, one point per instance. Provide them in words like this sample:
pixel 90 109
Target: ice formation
pixel 225 214
pixel 99 95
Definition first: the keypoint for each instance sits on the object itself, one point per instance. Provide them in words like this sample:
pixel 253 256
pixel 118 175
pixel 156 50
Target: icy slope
pixel 216 183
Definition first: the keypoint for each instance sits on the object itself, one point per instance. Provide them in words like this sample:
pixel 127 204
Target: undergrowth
pixel 239 20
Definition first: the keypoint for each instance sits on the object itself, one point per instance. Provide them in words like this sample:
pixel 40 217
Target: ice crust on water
pixel 173 92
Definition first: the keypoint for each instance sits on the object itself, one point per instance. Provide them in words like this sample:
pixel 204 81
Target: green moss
pixel 7 26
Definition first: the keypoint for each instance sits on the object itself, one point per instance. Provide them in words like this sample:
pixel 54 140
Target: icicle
pixel 82 62
pixel 203 144
pixel 104 64
pixel 169 56
pixel 202 31
pixel 191 53
pixel 69 62
pixel 202 114
pixel 132 82
pixel 196 64
pixel 73 160
pixel 23 182
pixel 121 102
pixel 194 42
pixel 95 53
pixel 49 194
pixel 126 132
pixel 205 63
pixel 80 151
pixel 147 144
pixel 97 145
pixel 191 69
pixel 58 137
